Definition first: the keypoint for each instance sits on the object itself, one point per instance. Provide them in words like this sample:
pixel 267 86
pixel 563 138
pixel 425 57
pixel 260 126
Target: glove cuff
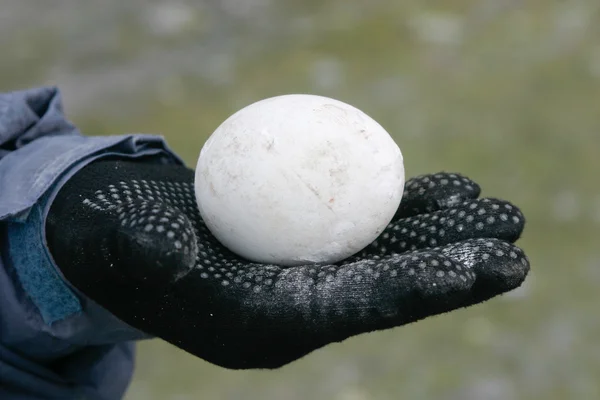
pixel 54 301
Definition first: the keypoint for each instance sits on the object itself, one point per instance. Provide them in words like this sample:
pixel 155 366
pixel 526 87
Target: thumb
pixel 154 243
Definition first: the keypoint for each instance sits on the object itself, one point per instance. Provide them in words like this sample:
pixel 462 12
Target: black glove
pixel 129 236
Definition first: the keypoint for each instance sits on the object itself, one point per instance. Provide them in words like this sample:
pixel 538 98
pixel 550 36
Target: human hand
pixel 129 236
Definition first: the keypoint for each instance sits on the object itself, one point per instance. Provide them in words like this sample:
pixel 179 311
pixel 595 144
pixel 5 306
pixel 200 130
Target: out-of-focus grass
pixel 505 92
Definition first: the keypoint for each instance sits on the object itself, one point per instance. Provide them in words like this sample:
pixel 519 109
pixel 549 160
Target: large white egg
pixel 298 179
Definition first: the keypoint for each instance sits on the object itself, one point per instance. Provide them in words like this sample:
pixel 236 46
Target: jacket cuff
pixel 54 297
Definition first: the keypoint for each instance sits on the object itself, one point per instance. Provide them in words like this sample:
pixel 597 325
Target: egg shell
pixel 298 179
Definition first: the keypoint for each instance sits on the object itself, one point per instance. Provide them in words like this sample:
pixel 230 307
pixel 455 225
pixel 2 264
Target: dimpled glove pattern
pixel 129 236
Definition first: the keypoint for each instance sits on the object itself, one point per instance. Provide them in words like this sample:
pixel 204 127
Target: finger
pixel 499 266
pixel 408 287
pixel 478 218
pixel 154 241
pixel 432 192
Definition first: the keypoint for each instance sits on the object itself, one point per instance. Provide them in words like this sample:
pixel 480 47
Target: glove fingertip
pixel 431 192
pixel 499 266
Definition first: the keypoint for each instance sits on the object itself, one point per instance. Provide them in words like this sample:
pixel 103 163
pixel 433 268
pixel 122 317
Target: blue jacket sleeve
pixel 54 342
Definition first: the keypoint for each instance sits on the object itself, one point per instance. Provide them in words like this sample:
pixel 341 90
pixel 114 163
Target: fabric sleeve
pixel 43 318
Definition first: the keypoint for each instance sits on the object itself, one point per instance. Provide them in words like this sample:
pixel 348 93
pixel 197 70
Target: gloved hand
pixel 130 237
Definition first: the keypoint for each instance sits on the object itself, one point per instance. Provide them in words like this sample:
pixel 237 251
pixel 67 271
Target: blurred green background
pixel 504 91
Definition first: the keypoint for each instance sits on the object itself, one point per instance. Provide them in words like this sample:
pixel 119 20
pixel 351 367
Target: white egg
pixel 298 179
